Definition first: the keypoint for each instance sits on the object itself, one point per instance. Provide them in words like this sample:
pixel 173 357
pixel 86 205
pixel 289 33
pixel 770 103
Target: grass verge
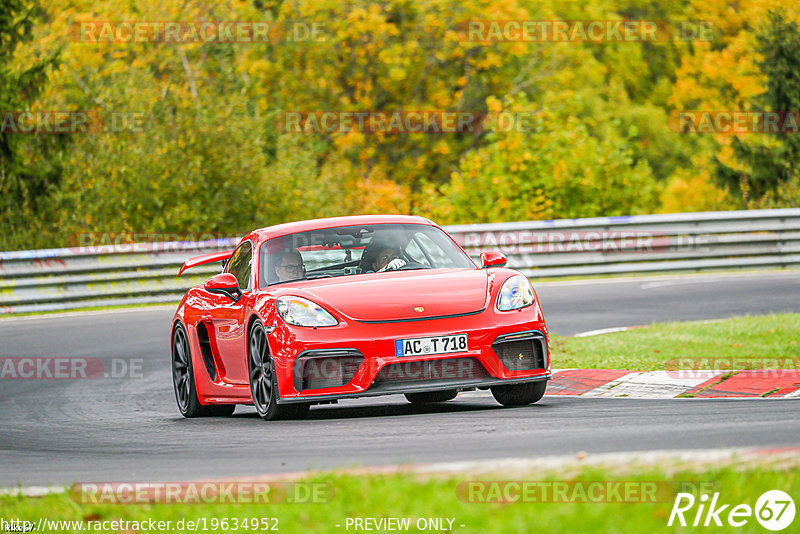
pixel 410 496
pixel 763 342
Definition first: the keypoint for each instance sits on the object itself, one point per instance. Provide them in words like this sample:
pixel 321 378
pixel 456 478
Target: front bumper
pixel 433 385
pixel 375 344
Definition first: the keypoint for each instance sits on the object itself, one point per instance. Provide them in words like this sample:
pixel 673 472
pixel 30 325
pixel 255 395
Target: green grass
pixel 745 342
pixel 407 495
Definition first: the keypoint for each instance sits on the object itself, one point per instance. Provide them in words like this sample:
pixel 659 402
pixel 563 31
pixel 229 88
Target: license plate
pixel 424 346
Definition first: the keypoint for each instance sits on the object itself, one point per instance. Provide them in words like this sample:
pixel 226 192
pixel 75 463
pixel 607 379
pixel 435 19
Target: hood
pixel 395 295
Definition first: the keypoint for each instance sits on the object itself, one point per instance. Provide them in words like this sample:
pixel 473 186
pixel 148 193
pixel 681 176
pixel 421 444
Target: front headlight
pixel 516 293
pixel 302 312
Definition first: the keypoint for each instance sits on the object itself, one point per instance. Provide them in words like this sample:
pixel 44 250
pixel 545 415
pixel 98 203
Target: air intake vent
pixel 328 368
pixel 205 349
pixel 522 351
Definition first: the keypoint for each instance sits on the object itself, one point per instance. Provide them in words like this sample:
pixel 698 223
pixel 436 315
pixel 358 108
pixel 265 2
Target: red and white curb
pixel 778 383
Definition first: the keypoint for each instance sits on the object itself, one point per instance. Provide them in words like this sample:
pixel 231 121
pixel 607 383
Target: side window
pixel 241 264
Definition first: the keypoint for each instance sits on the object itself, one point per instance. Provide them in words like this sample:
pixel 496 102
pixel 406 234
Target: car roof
pixel 278 230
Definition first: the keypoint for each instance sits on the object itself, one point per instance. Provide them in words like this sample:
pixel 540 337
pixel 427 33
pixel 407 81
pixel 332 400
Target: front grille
pixel 328 368
pixel 523 351
pixel 447 369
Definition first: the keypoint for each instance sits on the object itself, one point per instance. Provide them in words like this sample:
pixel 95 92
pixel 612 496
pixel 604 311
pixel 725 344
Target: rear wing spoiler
pixel 206 258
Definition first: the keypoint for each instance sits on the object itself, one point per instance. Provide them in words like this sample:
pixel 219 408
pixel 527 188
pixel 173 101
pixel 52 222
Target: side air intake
pixel 205 349
pixel 522 351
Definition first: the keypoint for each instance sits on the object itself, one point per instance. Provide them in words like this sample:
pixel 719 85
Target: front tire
pixel 263 382
pixel 429 397
pixel 519 394
pixel 183 380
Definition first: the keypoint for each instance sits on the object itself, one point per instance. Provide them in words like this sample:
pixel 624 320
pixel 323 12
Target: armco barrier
pixel 58 279
pixel 66 278
pixel 642 243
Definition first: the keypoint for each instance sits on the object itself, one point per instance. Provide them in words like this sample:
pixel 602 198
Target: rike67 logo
pixel 774 510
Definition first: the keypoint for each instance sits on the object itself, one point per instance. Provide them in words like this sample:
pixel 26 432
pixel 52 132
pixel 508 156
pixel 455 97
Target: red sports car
pixel 315 311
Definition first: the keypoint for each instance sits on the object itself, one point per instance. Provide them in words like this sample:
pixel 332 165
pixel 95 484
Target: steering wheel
pixel 412 265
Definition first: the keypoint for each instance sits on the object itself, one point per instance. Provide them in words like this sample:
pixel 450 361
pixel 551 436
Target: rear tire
pixel 183 380
pixel 519 394
pixel 429 397
pixel 263 382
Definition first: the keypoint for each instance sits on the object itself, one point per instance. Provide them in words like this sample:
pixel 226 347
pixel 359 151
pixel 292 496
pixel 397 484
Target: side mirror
pixel 492 259
pixel 224 284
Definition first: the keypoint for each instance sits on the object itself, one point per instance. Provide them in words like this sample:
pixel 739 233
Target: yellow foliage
pixel 695 191
pixel 382 196
pixel 494 104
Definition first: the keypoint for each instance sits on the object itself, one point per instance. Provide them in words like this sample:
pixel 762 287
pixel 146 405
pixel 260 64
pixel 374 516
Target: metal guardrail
pixel 67 278
pixel 642 243
pixel 106 275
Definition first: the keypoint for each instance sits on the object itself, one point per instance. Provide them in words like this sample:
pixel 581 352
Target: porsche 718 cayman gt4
pixel 315 311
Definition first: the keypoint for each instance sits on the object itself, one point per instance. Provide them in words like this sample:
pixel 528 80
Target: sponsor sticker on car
pixel 424 346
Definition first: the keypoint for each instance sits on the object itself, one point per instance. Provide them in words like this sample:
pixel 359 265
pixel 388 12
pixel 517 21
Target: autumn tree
pixel 771 166
pixel 553 168
pixel 30 165
pixel 727 74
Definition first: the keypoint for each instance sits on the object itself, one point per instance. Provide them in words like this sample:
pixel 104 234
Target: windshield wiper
pixel 321 275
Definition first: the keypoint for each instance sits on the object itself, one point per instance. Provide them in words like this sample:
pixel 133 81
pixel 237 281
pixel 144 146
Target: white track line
pixel 32 491
pixel 63 315
pixel 706 277
pixel 601 331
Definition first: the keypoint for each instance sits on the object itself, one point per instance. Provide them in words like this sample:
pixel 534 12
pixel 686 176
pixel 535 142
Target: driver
pixel 387 259
pixel 289 266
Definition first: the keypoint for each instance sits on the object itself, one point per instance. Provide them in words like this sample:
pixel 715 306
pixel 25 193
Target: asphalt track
pixel 63 431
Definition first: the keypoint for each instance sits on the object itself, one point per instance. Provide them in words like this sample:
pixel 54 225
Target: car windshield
pixel 362 249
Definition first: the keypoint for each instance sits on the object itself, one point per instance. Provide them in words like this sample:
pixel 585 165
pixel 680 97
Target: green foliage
pixel 207 152
pixel 769 170
pixel 555 170
pixel 30 166
pixel 302 186
pixel 202 173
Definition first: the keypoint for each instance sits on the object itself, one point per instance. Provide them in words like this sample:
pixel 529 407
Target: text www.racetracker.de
pixel 201 524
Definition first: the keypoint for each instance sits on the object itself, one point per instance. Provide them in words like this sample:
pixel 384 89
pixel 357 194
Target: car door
pixel 229 318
